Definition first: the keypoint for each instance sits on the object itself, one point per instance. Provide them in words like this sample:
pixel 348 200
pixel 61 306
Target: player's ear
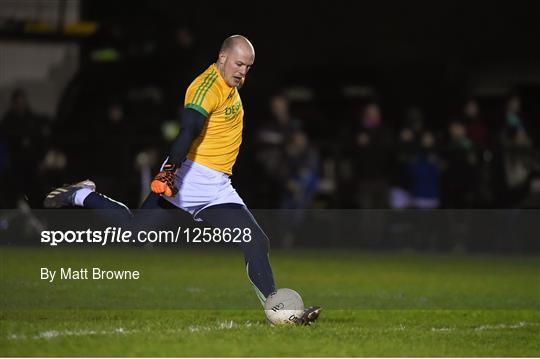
pixel 222 57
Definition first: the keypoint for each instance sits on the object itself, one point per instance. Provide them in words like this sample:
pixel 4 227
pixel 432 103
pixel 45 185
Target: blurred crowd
pixel 473 162
pixel 116 120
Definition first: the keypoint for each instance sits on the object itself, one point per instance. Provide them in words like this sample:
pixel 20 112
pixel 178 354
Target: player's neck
pixel 221 74
pixel 220 69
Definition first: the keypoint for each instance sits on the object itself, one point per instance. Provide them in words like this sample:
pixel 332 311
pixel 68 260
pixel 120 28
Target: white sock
pixel 81 195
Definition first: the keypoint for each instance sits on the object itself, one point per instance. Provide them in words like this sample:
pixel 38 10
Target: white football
pixel 284 306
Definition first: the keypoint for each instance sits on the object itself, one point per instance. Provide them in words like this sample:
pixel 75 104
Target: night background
pixel 348 106
pixel 390 152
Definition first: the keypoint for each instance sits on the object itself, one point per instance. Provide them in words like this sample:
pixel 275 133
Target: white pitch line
pixel 443 329
pixel 219 326
pixel 49 334
pixel 505 326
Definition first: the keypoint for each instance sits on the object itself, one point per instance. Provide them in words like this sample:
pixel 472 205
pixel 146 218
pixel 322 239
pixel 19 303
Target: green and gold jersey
pixel 219 142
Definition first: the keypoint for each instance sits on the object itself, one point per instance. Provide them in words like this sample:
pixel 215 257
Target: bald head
pixel 237 41
pixel 236 57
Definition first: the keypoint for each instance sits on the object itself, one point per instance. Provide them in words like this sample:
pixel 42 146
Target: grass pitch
pixel 200 303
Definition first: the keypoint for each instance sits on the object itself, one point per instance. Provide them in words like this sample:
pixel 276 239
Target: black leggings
pixel 155 210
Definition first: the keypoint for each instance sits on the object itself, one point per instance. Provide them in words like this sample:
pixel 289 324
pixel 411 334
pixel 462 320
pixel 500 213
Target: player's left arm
pixel 191 127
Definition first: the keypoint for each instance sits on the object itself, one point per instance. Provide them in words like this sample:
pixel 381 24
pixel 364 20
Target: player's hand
pixel 163 183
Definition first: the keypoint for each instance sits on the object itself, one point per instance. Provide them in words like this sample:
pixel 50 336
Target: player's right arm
pixel 201 100
pixel 191 127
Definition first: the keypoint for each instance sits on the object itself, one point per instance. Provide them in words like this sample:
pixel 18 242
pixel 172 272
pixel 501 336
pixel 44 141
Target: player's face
pixel 235 64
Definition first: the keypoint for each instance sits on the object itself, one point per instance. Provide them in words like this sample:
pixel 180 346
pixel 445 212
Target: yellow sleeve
pixel 203 94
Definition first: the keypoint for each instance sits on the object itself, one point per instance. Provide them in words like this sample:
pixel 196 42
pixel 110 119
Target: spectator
pixel 272 138
pixel 25 138
pixel 459 179
pixel 425 172
pixel 400 191
pixel 372 153
pixel 301 172
pixel 477 129
pixel 517 154
pixel 300 177
pixel 514 130
pixel 279 128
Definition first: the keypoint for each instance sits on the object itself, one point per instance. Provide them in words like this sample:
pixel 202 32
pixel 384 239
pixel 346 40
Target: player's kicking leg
pixel 256 250
pixel 83 194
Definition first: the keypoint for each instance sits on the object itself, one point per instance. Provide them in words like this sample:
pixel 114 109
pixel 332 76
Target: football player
pixel 195 177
